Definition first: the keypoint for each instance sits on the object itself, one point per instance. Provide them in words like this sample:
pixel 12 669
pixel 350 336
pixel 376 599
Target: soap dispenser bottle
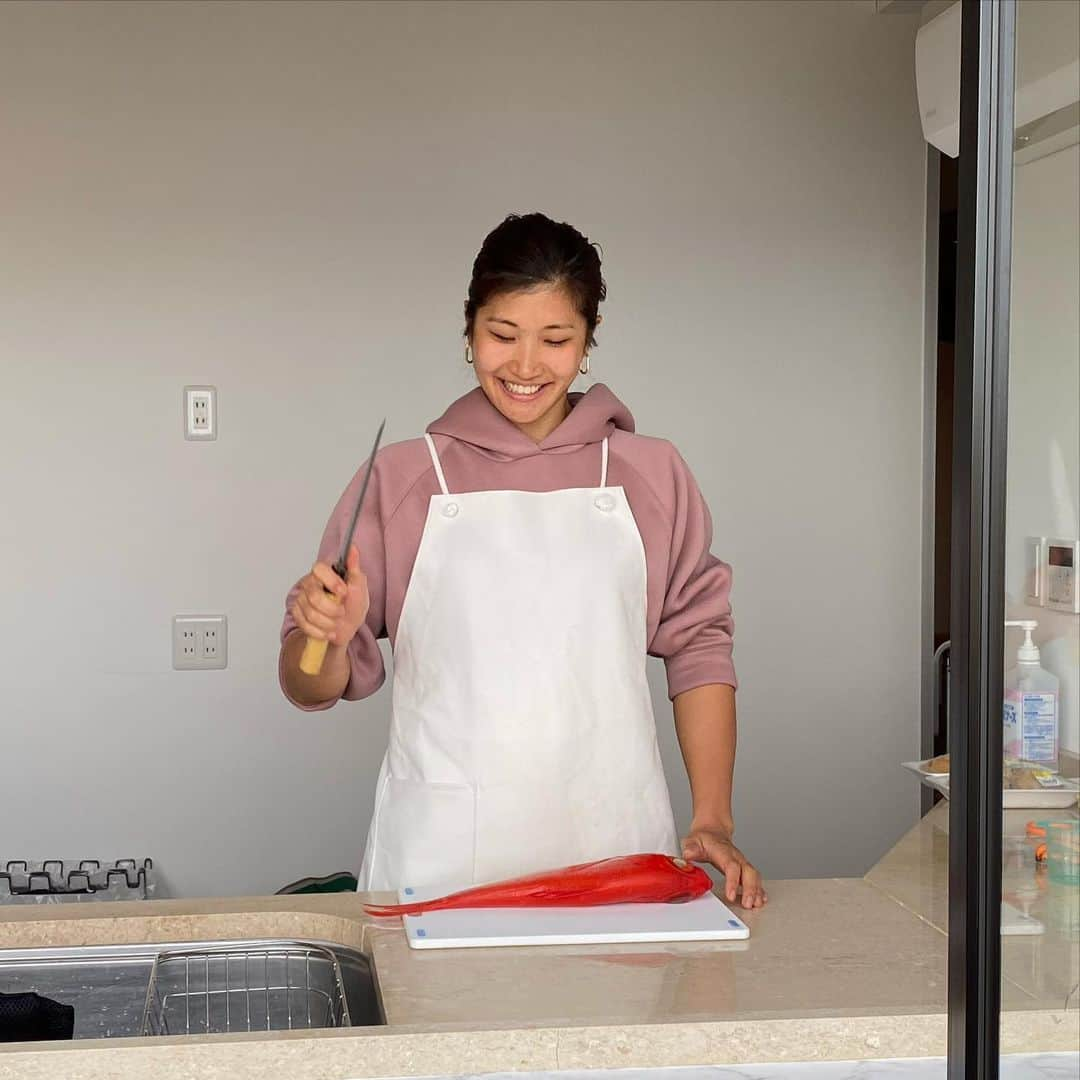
pixel 1031 706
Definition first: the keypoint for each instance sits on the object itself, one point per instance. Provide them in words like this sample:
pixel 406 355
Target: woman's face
pixel 527 348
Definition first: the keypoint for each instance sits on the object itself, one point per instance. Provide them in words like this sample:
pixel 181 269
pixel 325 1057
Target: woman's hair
pixel 530 250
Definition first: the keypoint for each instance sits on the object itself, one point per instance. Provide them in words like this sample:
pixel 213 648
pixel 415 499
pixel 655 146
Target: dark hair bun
pixel 529 250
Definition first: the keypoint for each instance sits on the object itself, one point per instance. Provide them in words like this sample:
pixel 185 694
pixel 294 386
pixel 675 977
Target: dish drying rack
pixel 59 881
pixel 213 991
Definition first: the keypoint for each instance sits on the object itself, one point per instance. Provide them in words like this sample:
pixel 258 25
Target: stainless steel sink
pixel 107 984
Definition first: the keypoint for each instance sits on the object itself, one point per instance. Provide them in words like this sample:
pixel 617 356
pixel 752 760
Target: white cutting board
pixel 1014 921
pixel 703 919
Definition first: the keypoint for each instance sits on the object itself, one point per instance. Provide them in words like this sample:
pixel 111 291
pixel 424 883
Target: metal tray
pixel 1011 798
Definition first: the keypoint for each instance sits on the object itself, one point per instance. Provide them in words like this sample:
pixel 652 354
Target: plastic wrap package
pixel 56 881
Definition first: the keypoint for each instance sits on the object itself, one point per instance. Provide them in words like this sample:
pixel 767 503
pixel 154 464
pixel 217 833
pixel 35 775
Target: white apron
pixel 523 736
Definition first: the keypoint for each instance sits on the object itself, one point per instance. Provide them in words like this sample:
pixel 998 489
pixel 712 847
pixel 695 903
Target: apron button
pixel 605 502
pixel 450 510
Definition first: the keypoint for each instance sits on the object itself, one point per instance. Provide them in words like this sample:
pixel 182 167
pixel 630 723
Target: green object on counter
pixel 331 883
pixel 1063 852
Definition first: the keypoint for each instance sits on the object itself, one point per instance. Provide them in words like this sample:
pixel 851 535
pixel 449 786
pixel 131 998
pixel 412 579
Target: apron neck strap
pixel 435 461
pixel 442 478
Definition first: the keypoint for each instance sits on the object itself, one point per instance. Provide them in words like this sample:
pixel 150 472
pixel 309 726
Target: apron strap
pixel 442 478
pixel 438 464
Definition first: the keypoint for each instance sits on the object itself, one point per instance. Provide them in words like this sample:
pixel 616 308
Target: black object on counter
pixel 31 1018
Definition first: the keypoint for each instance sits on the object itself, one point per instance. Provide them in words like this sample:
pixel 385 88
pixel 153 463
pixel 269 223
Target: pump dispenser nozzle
pixel 1028 653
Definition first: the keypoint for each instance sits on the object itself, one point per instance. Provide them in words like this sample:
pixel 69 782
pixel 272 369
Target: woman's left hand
pixel 715 846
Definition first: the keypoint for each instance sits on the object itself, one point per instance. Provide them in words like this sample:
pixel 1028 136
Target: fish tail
pixel 389 911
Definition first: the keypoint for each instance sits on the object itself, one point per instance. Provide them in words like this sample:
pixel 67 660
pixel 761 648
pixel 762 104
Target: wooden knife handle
pixel 311 659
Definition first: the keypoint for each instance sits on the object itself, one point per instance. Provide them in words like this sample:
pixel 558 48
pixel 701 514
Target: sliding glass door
pixel 1014 911
pixel 1040 912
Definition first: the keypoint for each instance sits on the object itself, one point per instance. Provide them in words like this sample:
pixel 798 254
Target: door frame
pixel 984 241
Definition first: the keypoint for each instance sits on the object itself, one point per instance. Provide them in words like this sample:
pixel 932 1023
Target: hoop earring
pixel 468 354
pixel 584 368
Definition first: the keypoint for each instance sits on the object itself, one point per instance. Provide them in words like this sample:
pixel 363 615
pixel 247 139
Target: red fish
pixel 629 879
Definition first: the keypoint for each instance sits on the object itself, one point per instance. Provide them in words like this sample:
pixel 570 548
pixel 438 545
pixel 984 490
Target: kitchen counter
pixel 835 969
pixel 1043 969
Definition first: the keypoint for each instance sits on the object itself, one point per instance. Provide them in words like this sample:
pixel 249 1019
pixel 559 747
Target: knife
pixel 311 660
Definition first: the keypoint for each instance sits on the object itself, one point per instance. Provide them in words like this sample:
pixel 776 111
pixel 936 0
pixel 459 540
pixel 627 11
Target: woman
pixel 523 558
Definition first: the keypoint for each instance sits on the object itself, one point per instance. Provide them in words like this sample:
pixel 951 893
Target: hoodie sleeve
pixel 694 634
pixel 366 669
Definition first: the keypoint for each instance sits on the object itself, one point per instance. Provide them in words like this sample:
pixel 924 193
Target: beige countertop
pixel 1040 971
pixel 834 969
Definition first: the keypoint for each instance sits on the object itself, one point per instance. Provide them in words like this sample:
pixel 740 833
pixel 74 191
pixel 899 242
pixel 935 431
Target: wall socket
pixel 199 642
pixel 200 413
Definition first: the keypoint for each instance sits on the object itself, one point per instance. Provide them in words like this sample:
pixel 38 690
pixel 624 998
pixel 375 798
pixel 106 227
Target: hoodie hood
pixel 593 416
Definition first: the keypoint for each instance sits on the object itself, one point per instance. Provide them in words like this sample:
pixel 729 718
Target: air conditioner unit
pixel 1047 77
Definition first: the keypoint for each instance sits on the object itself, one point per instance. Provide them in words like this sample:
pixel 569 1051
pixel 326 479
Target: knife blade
pixel 311 660
pixel 340 565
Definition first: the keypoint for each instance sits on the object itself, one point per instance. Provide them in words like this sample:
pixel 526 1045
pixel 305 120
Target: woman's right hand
pixel 333 616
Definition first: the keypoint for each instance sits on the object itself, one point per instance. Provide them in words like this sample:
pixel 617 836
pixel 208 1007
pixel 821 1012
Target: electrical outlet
pixel 199 642
pixel 187 643
pixel 209 650
pixel 200 413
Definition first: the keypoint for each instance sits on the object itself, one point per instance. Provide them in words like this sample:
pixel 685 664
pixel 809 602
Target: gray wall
pixel 284 200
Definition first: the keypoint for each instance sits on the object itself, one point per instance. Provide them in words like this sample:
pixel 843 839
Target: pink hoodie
pixel 689 620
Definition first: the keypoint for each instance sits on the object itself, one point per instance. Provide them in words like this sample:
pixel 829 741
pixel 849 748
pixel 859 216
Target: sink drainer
pixel 223 989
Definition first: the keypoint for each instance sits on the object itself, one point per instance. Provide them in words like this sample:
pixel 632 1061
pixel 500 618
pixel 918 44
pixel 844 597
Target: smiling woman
pixel 523 558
